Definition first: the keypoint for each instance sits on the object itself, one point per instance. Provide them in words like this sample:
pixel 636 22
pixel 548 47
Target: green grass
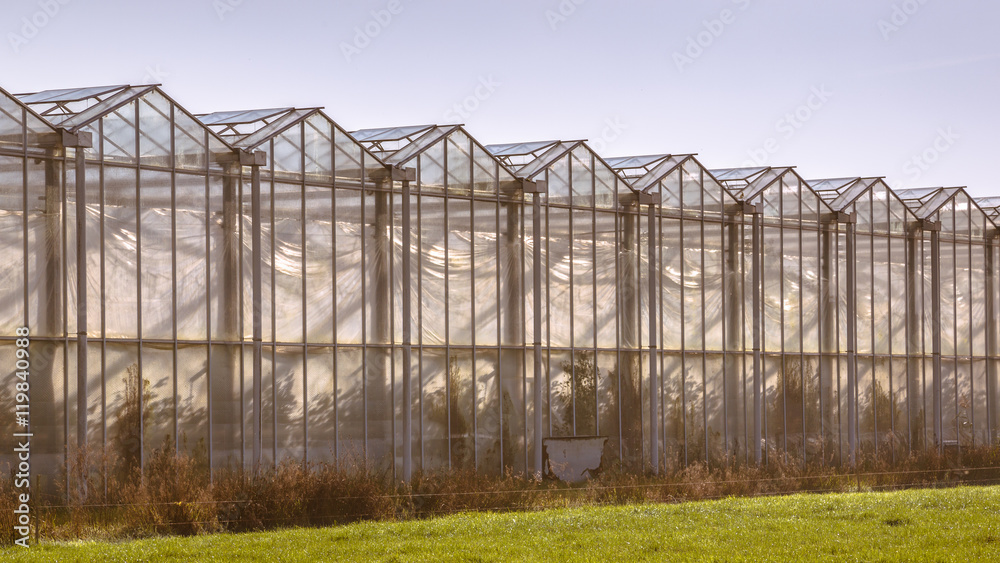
pixel 960 524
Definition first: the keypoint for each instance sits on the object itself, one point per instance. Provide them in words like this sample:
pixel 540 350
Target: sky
pixel 904 89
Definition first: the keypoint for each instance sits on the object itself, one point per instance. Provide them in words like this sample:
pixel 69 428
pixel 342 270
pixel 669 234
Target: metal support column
pixel 654 432
pixel 914 342
pixel 405 176
pixel 935 229
pixel 81 141
pixel 758 380
pixel 828 330
pixel 852 339
pixel 991 348
pixel 255 161
pixel 536 275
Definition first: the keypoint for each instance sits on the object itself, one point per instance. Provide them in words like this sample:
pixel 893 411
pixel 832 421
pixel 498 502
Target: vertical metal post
pixel 936 334
pixel 828 328
pixel 44 402
pixel 654 434
pixel 758 381
pixel 733 310
pixel 510 280
pixel 914 344
pixel 81 299
pixel 852 339
pixel 536 281
pixel 407 340
pixel 991 351
pixel 630 397
pixel 258 329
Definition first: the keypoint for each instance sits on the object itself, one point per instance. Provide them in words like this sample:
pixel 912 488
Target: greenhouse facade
pixel 260 286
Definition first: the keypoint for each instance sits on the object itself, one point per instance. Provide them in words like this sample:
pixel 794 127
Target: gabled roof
pixel 925 202
pixel 75 108
pixel 398 145
pixel 840 193
pixel 745 184
pixel 14 111
pixel 990 206
pixel 529 159
pixel 643 172
pixel 248 129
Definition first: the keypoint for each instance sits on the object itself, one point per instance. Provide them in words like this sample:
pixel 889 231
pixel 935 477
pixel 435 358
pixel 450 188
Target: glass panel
pixel 583 278
pixel 320 389
pixel 512 410
pixel 485 272
pixel 460 326
pixel 120 135
pixel 605 293
pixel 289 398
pixel 189 143
pixel 558 179
pixel 156 216
pixel 811 270
pixel 432 263
pixel 581 162
pixel 559 276
pixel 286 153
pixel 672 282
pixel 319 263
pixel 713 286
pixel 792 291
pixel 436 408
pixel 459 164
pixel 12 251
pixel 350 415
pixel 190 245
pixel 349 266
pixel 488 412
pixel 461 410
pixel 192 402
pixel 772 269
pixel 693 286
pixel 288 263
pixel 154 131
pixel 318 149
pixel 120 257
pixel 224 260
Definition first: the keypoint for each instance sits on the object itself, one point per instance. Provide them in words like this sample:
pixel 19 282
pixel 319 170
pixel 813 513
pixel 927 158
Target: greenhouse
pixel 256 286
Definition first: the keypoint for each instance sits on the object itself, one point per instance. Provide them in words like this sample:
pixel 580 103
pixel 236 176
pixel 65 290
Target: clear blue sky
pixel 891 83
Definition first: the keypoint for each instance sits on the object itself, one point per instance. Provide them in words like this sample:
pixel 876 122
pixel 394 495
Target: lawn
pixel 960 524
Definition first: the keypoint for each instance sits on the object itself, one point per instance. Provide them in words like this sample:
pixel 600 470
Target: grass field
pixel 960 524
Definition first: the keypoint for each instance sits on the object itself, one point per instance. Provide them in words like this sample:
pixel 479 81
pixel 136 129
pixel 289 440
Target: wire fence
pixel 409 503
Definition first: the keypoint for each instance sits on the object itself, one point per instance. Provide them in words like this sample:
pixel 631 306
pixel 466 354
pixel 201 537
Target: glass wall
pixel 793 270
pixel 262 285
pixel 593 316
pixel 698 250
pixel 955 247
pixel 889 354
